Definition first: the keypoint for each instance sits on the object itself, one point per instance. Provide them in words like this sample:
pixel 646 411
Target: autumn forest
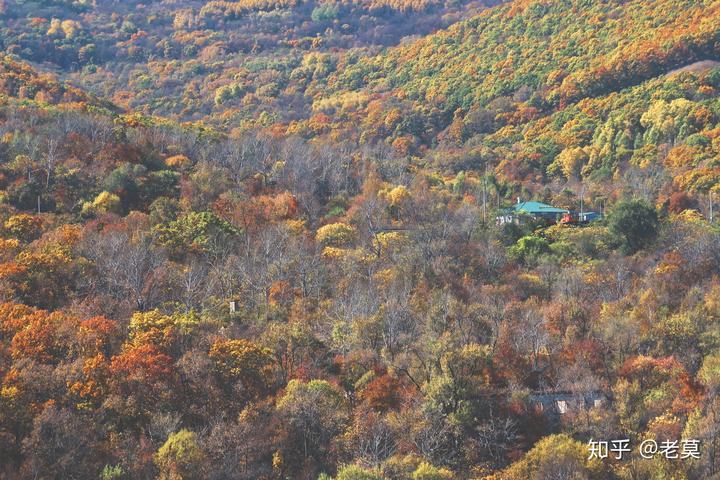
pixel 360 239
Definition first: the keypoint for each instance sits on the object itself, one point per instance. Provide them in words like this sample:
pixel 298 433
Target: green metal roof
pixel 537 207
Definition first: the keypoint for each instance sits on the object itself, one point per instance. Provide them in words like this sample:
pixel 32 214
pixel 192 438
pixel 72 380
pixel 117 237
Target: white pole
pixel 485 195
pixel 711 206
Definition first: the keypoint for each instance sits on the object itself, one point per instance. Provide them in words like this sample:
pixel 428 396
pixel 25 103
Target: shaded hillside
pixel 225 62
pixel 20 80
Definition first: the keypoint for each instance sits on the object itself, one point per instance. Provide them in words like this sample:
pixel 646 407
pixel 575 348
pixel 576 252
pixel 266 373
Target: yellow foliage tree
pixel 336 234
pixel 569 162
pixel 24 227
pixel 555 456
pixel 179 162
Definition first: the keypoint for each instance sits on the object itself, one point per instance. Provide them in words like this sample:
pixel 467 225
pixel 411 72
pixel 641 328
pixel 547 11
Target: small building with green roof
pixel 537 210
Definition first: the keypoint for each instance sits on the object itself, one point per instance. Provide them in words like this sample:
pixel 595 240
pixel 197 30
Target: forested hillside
pixel 276 240
pixel 225 62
